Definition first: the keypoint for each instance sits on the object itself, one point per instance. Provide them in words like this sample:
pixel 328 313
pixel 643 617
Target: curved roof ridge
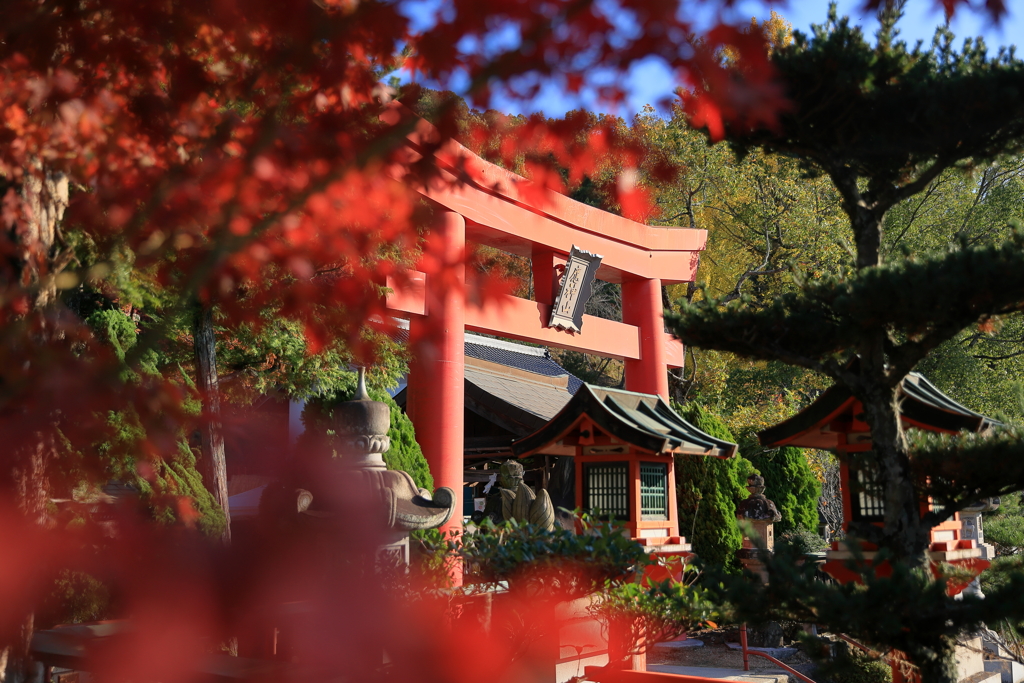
pixel 633 418
pixel 923 406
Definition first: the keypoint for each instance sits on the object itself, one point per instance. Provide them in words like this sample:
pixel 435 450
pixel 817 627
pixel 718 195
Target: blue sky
pixel 651 82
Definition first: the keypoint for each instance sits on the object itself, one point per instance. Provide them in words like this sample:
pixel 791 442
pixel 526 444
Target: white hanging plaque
pixel 580 270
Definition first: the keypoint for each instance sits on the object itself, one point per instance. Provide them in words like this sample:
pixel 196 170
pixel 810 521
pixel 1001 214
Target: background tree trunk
pixel 214 464
pixel 44 198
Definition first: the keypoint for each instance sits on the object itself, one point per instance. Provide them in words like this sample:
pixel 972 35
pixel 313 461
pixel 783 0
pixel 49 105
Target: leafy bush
pixel 857 667
pixel 1004 527
pixel 427 555
pixel 171 478
pixel 558 564
pixel 998 575
pixel 181 477
pixel 76 598
pixel 707 490
pixel 804 541
pixel 656 613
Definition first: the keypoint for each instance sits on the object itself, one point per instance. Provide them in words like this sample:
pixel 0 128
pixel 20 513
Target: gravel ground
pixel 714 653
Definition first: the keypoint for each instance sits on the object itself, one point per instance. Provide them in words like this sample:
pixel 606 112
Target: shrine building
pixel 835 422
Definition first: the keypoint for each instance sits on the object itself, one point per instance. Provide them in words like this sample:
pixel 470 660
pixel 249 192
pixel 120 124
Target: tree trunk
pixel 867 230
pixel 16 664
pixel 214 465
pixel 30 483
pixel 903 531
pixel 865 216
pixel 904 534
pixel 44 198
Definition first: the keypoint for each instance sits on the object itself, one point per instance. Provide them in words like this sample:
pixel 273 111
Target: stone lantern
pixel 351 484
pixel 761 514
pixel 972 530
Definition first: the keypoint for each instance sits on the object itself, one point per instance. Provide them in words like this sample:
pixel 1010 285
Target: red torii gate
pixel 484 204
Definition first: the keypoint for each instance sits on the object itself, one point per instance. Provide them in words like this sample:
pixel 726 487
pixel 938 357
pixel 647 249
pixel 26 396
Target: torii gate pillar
pixel 437 372
pixel 642 307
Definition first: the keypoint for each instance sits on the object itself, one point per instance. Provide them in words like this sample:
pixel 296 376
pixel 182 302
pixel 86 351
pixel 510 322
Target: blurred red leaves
pixel 732 81
pixel 247 152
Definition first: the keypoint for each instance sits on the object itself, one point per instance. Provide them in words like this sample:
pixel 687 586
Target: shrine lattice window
pixel 867 489
pixel 606 489
pixel 653 491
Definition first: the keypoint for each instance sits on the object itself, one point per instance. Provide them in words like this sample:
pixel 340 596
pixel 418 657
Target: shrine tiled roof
pixel 533 359
pixel 515 386
pixel 922 406
pixel 642 421
pixel 539 395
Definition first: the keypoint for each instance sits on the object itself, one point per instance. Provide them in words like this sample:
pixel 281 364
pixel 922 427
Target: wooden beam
pixel 525 320
pixel 496 222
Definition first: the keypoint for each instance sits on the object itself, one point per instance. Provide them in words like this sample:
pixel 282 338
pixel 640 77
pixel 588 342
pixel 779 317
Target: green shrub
pixel 558 564
pixel 180 477
pixel 792 486
pixel 76 598
pixel 859 668
pixel 1004 527
pixel 655 613
pixel 804 541
pixel 707 490
pixel 172 478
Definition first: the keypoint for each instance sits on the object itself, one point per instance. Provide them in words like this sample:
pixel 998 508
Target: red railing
pixel 747 653
pixel 859 646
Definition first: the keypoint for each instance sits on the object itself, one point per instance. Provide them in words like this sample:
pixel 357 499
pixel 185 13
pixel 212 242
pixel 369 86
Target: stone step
pixel 759 676
pixel 678 644
pixel 1009 671
pixel 982 677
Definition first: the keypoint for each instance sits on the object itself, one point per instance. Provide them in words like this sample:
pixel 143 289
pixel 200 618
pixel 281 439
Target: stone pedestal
pixel 760 515
pixel 970 662
pixel 764 530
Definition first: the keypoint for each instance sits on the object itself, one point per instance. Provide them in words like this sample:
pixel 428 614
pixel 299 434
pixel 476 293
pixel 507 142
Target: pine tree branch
pixel 925 301
pixel 958 470
pixel 1003 357
pixel 925 179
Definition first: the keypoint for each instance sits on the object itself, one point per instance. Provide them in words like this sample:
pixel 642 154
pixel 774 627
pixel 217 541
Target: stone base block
pixel 1009 671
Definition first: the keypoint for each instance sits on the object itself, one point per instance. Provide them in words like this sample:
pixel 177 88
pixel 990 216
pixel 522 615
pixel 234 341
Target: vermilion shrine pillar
pixel 545 281
pixel 436 373
pixel 642 307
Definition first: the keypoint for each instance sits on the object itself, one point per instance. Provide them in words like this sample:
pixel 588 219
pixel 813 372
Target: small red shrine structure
pixel 835 422
pixel 484 204
pixel 623 444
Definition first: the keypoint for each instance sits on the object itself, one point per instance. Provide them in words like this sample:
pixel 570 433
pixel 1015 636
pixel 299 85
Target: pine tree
pixel 884 121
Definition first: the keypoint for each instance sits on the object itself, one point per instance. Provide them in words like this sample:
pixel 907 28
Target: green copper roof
pixel 644 421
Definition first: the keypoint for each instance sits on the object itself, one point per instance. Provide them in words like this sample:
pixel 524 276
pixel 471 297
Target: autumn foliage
pixel 236 152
